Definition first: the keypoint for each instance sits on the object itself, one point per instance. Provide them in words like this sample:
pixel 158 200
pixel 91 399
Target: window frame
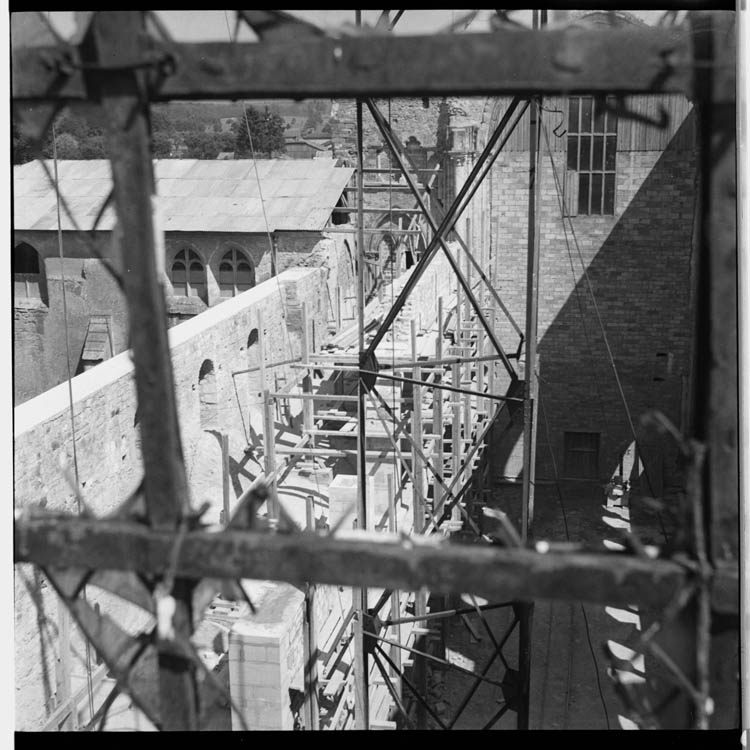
pixel 235 257
pixel 189 259
pixel 602 126
pixel 31 282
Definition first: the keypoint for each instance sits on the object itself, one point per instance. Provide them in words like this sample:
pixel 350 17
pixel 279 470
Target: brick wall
pixel 638 266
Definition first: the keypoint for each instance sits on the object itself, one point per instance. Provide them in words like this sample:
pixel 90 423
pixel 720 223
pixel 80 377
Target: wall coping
pixel 55 401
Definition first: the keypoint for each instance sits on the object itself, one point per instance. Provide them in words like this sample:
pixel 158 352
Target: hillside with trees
pixel 188 130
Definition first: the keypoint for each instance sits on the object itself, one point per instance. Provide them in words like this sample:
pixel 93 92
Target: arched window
pixel 208 395
pixel 236 273
pixel 188 275
pixel 27 275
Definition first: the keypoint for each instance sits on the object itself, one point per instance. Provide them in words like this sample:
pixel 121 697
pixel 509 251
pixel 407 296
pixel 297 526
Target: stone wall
pixel 107 443
pixel 40 352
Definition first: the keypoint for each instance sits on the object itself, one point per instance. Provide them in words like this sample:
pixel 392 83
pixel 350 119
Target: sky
pixel 211 25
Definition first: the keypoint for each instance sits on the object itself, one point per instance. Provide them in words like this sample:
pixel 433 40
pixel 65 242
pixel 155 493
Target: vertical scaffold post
pixel 395 594
pixel 437 411
pixel 307 404
pixel 310 638
pixel 467 399
pixel 456 438
pixel 417 440
pixel 269 450
pixel 361 667
pixel 225 476
pixel 420 597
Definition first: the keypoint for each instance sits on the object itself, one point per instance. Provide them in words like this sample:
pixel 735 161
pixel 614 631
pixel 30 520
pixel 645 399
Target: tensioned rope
pixel 89 682
pixel 589 347
pixel 610 356
pixel 271 246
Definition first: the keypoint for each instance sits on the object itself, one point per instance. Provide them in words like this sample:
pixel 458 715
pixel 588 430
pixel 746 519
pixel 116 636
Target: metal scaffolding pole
pixel 532 307
pixel 362 711
pixel 484 162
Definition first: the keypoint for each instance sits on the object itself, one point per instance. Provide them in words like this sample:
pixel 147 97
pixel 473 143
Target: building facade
pixel 219 239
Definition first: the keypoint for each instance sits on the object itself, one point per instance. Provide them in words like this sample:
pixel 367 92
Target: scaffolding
pixel 398 411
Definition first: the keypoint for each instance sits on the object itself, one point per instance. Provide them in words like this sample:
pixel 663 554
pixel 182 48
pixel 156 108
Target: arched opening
pixel 253 358
pixel 236 273
pixel 27 273
pixel 208 395
pixel 350 255
pixel 188 275
pixel 340 217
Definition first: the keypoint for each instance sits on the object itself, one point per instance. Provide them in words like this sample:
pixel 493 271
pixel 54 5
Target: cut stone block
pixel 266 658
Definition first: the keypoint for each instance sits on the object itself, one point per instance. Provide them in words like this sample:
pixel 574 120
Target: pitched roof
pixel 193 195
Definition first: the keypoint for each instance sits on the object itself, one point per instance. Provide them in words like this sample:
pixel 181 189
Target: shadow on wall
pixel 641 280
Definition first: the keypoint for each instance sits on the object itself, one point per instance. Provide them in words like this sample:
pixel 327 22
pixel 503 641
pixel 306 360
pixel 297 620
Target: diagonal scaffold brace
pixel 459 204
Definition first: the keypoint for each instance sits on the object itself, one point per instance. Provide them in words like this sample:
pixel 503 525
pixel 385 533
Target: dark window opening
pixel 592 153
pixel 27 276
pixel 581 455
pixel 236 274
pixel 338 216
pixel 208 395
pixel 188 275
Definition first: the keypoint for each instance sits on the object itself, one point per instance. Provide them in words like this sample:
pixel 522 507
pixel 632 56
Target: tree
pixel 266 129
pixel 67 147
pixel 161 144
pixel 22 151
pixel 93 148
pixel 316 112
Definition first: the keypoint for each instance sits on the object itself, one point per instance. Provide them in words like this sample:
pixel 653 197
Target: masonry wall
pixel 107 444
pixel 40 353
pixel 39 325
pixel 637 266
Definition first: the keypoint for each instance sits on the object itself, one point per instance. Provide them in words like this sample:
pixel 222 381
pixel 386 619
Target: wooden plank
pixel 552 61
pixel 350 559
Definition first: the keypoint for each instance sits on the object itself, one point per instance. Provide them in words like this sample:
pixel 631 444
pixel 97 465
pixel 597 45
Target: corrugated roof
pixel 193 195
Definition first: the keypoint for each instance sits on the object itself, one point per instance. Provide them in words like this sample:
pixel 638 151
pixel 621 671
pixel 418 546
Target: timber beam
pixel 614 61
pixel 352 558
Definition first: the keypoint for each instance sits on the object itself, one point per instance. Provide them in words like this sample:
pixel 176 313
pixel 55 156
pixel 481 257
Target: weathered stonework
pixel 108 441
